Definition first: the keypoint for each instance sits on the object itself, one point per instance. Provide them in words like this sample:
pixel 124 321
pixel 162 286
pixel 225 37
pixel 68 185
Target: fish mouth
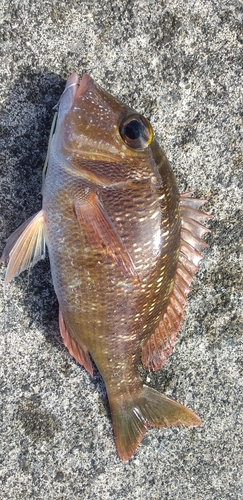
pixel 82 85
pixel 79 85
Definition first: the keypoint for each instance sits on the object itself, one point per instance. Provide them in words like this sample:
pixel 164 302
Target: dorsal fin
pixel 159 346
pixel 25 246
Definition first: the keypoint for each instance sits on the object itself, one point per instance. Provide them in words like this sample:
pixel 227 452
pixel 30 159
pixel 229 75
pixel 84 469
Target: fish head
pixel 99 133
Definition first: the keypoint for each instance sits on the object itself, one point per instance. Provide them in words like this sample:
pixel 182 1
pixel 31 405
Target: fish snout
pixel 75 87
pixel 82 84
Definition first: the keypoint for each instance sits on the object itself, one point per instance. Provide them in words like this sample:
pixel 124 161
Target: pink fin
pixel 101 233
pixel 159 346
pixel 25 246
pixel 134 413
pixel 76 349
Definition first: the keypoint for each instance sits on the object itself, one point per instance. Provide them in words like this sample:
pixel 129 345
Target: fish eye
pixel 136 131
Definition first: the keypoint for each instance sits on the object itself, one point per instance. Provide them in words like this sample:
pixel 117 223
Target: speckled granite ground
pixel 180 63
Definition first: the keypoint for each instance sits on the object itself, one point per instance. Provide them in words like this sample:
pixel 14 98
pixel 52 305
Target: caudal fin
pixel 148 408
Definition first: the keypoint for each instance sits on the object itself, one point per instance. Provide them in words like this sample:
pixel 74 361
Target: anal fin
pixel 160 344
pixel 76 349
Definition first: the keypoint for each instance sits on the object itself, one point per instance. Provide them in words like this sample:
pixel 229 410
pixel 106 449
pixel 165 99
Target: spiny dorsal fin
pixel 25 246
pixel 160 345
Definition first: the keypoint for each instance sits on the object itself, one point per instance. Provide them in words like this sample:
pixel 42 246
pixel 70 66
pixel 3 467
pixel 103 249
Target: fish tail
pixel 131 416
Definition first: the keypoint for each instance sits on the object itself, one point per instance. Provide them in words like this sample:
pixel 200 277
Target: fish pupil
pixel 133 130
pixel 136 131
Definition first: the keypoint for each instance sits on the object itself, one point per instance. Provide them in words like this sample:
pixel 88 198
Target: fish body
pixel 123 247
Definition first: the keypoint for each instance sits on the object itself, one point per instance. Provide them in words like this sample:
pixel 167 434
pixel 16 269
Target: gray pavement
pixel 179 63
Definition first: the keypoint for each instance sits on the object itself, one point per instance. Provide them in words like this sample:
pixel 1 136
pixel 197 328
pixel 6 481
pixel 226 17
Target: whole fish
pixel 123 247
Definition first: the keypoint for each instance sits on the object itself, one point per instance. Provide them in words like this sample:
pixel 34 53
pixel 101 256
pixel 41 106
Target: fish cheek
pixel 91 127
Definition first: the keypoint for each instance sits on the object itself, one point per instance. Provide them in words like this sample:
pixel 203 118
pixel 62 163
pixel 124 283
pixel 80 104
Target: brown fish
pixel 123 247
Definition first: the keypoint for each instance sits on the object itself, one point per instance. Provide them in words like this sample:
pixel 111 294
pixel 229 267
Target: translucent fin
pixel 25 246
pixel 160 345
pixel 131 416
pixel 101 233
pixel 76 349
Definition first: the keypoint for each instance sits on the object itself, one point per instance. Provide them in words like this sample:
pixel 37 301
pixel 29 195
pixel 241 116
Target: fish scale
pixel 123 248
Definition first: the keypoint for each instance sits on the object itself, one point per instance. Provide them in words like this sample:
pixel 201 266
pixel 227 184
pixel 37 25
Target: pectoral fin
pixel 101 233
pixel 25 246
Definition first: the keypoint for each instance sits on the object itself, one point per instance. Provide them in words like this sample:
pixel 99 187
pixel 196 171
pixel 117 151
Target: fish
pixel 123 246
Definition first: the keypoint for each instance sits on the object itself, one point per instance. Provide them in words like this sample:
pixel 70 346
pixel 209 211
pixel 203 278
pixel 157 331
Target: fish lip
pixel 80 84
pixel 74 88
pixel 83 83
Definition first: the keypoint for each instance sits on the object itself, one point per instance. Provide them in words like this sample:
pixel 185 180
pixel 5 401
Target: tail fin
pixel 131 417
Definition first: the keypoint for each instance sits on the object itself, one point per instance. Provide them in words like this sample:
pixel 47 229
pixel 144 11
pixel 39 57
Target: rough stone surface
pixel 180 63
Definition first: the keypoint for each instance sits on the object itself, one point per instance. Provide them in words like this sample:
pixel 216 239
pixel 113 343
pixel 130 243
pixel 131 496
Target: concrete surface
pixel 180 63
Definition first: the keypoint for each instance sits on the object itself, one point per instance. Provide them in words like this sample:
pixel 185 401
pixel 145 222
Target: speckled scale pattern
pixel 141 194
pixel 112 219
